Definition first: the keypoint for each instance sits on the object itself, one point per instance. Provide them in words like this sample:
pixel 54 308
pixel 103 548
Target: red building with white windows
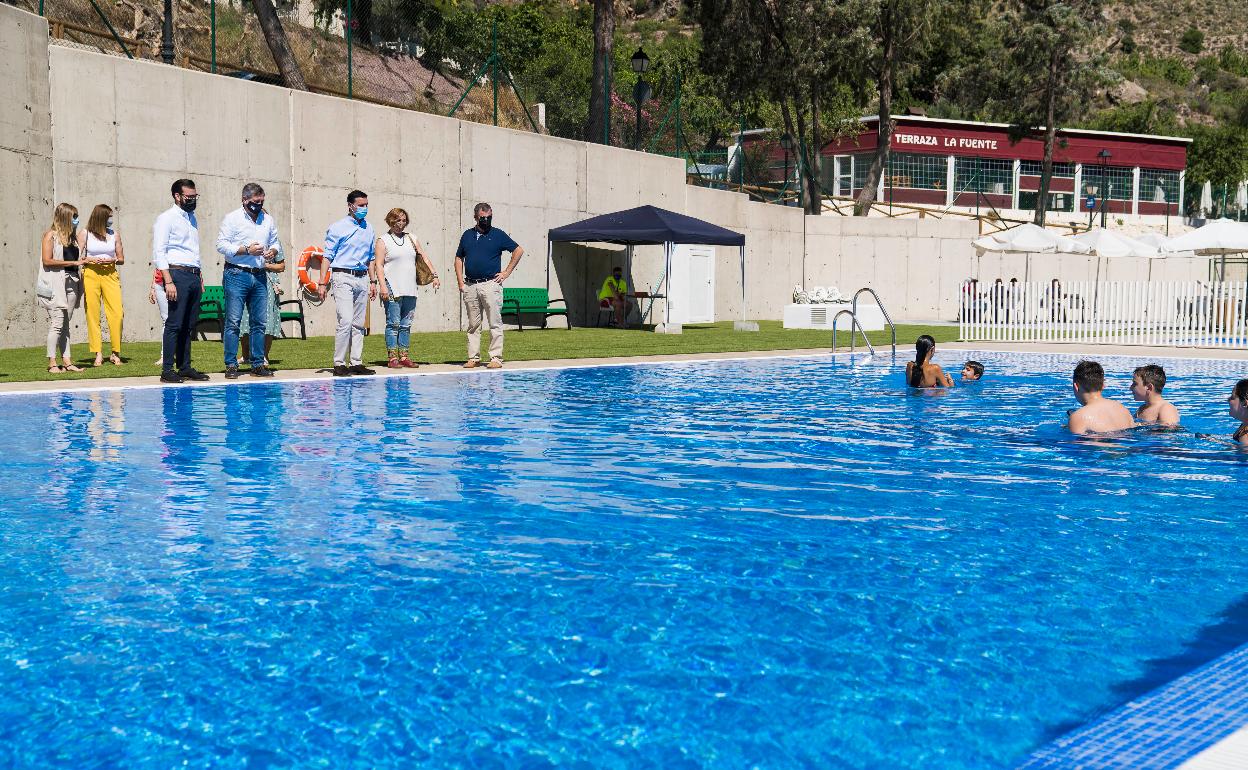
pixel 941 162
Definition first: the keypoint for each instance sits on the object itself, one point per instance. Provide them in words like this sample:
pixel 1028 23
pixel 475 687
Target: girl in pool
pixel 1239 410
pixel 921 372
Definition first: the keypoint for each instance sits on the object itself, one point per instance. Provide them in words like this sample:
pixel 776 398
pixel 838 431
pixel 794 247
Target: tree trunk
pixel 279 47
pixel 884 130
pixel 1050 138
pixel 814 198
pixel 596 127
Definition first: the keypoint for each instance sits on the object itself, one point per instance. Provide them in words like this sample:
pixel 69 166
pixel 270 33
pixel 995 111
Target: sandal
pixel 55 370
pixel 69 367
pixel 114 359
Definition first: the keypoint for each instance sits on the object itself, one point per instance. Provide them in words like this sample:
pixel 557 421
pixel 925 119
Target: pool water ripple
pixel 788 563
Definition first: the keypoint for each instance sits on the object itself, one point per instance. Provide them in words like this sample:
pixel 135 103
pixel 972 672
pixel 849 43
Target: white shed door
pixel 693 284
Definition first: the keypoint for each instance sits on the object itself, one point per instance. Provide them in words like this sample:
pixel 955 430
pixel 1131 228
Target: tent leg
pixel 628 279
pixel 744 325
pixel 550 255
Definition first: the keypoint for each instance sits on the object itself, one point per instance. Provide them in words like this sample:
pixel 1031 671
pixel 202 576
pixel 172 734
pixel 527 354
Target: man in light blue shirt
pixel 349 247
pixel 247 238
pixel 175 253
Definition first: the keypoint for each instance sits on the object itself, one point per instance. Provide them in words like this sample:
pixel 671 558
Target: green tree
pixel 898 28
pixel 1055 70
pixel 604 46
pixel 804 58
pixel 1193 41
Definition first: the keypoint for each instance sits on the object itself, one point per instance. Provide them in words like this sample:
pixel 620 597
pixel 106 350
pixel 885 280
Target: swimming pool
pixel 772 563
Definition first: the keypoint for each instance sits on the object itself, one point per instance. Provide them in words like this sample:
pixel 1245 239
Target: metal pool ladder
pixel 853 316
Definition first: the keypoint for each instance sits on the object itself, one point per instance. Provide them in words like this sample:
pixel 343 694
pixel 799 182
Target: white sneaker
pixel 159 361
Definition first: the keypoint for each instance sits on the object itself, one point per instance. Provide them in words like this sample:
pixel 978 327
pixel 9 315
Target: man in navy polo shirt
pixel 479 268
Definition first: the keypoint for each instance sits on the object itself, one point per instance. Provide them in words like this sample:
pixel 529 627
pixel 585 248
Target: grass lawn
pixel 30 364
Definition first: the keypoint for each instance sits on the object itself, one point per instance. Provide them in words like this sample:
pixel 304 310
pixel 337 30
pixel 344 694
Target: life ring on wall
pixel 310 259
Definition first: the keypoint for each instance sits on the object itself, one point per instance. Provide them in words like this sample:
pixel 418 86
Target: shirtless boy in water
pixel 1097 413
pixel 1146 385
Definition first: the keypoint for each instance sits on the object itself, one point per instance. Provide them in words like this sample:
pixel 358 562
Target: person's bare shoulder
pixel 1078 422
pixel 1121 417
pixel 1168 414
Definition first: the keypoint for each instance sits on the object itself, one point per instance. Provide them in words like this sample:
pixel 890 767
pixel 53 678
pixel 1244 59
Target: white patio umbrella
pixel 1155 240
pixel 1218 238
pixel 1206 199
pixel 1241 196
pixel 1108 243
pixel 1029 238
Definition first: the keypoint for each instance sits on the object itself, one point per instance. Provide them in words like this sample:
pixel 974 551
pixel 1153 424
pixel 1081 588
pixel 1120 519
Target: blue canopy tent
pixel 648 226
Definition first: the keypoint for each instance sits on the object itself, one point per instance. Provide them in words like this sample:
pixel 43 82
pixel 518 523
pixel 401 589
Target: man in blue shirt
pixel 479 268
pixel 349 246
pixel 247 238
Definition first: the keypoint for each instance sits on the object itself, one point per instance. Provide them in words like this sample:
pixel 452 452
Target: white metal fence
pixel 1162 313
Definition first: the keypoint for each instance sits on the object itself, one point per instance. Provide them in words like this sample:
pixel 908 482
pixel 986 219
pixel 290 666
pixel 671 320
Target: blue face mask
pixel 361 212
pixel 75 221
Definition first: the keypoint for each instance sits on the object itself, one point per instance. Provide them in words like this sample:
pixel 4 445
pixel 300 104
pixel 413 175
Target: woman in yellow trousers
pixel 100 247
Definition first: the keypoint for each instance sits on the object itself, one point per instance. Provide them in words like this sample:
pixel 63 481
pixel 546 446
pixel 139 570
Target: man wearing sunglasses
pixel 175 253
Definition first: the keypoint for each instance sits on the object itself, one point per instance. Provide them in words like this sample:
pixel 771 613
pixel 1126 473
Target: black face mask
pixel 253 208
pixel 188 204
pixel 485 223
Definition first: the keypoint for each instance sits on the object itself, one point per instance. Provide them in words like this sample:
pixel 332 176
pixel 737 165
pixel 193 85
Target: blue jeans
pixel 399 314
pixel 244 287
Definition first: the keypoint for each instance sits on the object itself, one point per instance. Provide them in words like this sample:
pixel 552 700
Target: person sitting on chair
pixel 614 294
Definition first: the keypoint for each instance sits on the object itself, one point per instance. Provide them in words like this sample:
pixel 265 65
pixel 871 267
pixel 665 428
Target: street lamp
pixel 786 141
pixel 1104 157
pixel 166 34
pixel 641 91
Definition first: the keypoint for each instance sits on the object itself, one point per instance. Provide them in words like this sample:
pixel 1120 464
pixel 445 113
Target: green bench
pixel 212 310
pixel 532 301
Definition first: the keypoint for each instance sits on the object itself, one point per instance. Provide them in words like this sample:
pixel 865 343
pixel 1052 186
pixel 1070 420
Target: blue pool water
pixel 775 563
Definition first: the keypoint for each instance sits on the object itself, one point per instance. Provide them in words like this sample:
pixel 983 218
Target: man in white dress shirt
pixel 175 253
pixel 248 237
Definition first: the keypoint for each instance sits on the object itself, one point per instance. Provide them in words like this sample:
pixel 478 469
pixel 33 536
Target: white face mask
pixel 110 223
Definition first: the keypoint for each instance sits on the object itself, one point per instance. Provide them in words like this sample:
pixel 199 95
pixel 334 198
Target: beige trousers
pixel 484 300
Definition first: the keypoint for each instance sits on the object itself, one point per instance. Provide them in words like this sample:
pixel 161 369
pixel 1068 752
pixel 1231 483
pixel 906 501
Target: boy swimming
pixel 972 371
pixel 1096 414
pixel 1147 382
pixel 1239 410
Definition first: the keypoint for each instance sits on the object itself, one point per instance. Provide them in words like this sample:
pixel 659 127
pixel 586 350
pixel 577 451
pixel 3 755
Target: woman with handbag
pixel 402 265
pixel 59 287
pixel 273 269
pixel 102 254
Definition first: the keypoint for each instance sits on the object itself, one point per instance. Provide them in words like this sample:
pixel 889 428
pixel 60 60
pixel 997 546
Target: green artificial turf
pixel 30 364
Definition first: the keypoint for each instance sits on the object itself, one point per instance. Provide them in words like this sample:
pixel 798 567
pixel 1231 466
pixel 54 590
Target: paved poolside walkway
pixel 903 351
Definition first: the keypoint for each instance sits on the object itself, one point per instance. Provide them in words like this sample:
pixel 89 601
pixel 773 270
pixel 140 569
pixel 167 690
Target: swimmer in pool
pixel 972 371
pixel 921 372
pixel 1096 414
pixel 1146 385
pixel 1239 410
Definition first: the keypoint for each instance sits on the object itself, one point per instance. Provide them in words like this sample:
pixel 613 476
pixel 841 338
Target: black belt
pixel 185 268
pixel 474 281
pixel 356 273
pixel 252 270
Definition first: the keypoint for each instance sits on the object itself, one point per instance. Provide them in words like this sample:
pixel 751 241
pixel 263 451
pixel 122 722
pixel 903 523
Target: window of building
pixel 1158 186
pixel 862 163
pixel 1060 170
pixel 990 175
pixel 1118 180
pixel 1058 201
pixel 923 172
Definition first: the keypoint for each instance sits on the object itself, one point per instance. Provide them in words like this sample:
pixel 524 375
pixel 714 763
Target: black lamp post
pixel 641 91
pixel 786 141
pixel 1104 157
pixel 166 39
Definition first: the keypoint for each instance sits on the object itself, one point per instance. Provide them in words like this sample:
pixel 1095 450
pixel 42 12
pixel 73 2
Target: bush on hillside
pixel 1168 68
pixel 1193 41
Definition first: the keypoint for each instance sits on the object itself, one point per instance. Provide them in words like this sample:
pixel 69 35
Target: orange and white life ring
pixel 310 260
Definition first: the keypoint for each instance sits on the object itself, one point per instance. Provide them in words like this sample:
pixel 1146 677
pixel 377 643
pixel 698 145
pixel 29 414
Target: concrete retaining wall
pixel 90 128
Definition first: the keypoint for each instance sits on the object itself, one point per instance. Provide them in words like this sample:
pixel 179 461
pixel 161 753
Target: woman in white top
pixel 59 287
pixel 100 246
pixel 396 256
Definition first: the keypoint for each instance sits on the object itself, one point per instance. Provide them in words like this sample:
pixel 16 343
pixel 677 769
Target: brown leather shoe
pixel 394 364
pixel 407 363
pixel 472 364
pixel 494 364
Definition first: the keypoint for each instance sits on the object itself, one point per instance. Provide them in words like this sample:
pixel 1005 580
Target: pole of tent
pixel 743 311
pixel 667 278
pixel 550 252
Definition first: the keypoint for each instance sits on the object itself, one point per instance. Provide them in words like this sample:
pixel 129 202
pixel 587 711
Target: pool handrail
pixel 854 309
pixel 853 325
